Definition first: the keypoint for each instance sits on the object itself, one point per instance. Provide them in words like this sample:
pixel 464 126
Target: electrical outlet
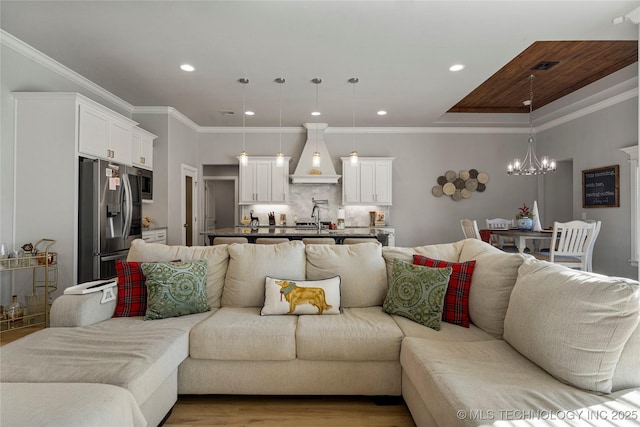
pixel 584 216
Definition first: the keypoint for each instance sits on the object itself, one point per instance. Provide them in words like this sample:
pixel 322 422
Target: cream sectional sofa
pixel 545 342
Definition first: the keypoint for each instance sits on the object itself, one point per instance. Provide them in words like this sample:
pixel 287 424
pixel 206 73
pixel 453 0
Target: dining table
pixel 520 237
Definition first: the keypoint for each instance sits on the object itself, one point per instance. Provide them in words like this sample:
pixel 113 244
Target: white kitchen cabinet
pixel 104 134
pixel 158 235
pixel 142 148
pixel 50 170
pixel 262 181
pixel 367 183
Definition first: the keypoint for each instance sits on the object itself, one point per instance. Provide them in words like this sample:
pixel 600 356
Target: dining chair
pixel 572 244
pixel 470 229
pixel 500 224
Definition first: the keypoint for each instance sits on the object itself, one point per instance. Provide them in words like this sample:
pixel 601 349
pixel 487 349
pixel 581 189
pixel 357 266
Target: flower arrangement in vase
pixel 525 218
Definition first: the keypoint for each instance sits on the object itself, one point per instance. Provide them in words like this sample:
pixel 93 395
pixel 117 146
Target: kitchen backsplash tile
pixel 301 204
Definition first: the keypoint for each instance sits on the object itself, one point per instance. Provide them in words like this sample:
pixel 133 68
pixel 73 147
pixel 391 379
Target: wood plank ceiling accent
pixel 579 63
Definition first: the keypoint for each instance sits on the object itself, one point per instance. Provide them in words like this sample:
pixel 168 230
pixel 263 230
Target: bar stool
pixel 318 241
pixel 271 240
pixel 229 240
pixel 356 240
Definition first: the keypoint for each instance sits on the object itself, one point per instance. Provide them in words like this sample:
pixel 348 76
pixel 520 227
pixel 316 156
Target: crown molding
pixel 51 64
pixel 171 112
pixel 251 129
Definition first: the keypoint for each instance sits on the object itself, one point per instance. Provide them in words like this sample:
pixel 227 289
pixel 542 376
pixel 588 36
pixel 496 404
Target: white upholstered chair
pixel 229 240
pixel 319 241
pixel 470 229
pixel 271 240
pixel 572 244
pixel 500 224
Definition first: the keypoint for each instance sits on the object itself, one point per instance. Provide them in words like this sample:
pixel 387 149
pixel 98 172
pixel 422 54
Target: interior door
pixel 189 219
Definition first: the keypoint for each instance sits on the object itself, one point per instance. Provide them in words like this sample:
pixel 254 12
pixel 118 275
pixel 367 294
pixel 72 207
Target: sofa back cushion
pixel 449 252
pixel 217 260
pixel 362 271
pixel 249 266
pixel 571 323
pixel 493 278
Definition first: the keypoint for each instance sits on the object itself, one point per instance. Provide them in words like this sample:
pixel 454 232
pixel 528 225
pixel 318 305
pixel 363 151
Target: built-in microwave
pixel 146 184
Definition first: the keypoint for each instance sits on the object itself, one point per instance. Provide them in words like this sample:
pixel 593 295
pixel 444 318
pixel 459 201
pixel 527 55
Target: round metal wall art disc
pixel 448 188
pixel 436 190
pixel 456 195
pixel 465 193
pixel 450 175
pixel 459 183
pixel 464 174
pixel 442 180
pixel 483 178
pixel 473 173
pixel 481 188
pixel 471 184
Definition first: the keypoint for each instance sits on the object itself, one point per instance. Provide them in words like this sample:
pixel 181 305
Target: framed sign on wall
pixel 601 187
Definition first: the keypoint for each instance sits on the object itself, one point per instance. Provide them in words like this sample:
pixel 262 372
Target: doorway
pixel 189 220
pixel 220 202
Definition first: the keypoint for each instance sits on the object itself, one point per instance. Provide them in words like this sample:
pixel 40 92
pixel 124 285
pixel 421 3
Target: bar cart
pixel 43 263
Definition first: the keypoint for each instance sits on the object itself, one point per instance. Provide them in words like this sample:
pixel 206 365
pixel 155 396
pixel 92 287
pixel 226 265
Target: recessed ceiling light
pixel 249 113
pixel 316 113
pixel 187 67
pixel 381 113
pixel 456 67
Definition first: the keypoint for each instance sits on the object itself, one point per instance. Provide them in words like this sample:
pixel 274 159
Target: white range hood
pixel 305 173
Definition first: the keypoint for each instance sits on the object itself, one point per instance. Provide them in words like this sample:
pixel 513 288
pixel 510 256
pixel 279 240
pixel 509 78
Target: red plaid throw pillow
pixel 132 290
pixel 456 300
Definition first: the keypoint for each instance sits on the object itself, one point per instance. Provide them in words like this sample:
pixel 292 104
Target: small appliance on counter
pixel 340 219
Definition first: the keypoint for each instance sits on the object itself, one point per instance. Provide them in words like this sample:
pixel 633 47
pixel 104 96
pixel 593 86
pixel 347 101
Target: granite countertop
pixel 281 231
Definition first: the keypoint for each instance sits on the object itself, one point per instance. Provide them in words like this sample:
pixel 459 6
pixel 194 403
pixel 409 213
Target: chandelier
pixel 531 165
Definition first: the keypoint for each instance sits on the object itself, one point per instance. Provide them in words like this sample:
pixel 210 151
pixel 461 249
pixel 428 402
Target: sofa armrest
pixel 80 310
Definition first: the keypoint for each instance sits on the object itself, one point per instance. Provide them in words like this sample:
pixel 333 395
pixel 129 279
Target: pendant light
pixel 315 160
pixel 353 156
pixel 244 156
pixel 280 156
pixel 531 165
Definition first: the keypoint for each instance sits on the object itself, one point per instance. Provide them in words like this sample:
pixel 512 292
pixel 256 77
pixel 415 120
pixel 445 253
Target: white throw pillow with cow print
pixel 283 296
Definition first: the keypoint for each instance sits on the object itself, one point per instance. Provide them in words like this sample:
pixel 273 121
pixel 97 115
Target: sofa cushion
pixel 447 332
pixel 445 251
pixel 175 288
pixel 124 351
pixel 361 269
pixel 250 264
pixel 132 290
pixel 283 296
pixel 493 278
pixel 417 293
pixel 482 383
pixel 571 323
pixel 456 300
pixel 217 260
pixel 358 334
pixel 240 333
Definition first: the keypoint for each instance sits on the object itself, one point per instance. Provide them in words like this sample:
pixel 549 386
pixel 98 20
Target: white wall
pixel 593 141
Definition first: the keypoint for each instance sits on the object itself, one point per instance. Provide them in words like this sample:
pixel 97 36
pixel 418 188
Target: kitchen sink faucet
pixel 315 213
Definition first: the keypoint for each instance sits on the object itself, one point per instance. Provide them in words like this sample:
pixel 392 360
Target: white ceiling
pixel 400 51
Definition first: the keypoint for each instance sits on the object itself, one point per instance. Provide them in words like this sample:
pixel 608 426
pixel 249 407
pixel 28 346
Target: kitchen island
pixel 293 233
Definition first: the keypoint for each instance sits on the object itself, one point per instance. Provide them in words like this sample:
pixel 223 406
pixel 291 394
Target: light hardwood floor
pixel 276 411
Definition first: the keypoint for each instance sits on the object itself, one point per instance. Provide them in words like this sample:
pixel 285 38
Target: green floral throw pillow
pixel 417 293
pixel 175 288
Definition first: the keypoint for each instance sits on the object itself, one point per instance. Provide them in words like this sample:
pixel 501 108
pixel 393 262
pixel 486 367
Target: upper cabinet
pixel 263 181
pixel 369 182
pixel 104 134
pixel 142 148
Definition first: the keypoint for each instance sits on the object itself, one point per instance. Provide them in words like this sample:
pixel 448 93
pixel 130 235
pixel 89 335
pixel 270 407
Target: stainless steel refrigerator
pixel 109 216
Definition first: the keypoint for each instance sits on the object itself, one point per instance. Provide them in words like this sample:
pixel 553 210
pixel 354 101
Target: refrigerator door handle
pixel 128 200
